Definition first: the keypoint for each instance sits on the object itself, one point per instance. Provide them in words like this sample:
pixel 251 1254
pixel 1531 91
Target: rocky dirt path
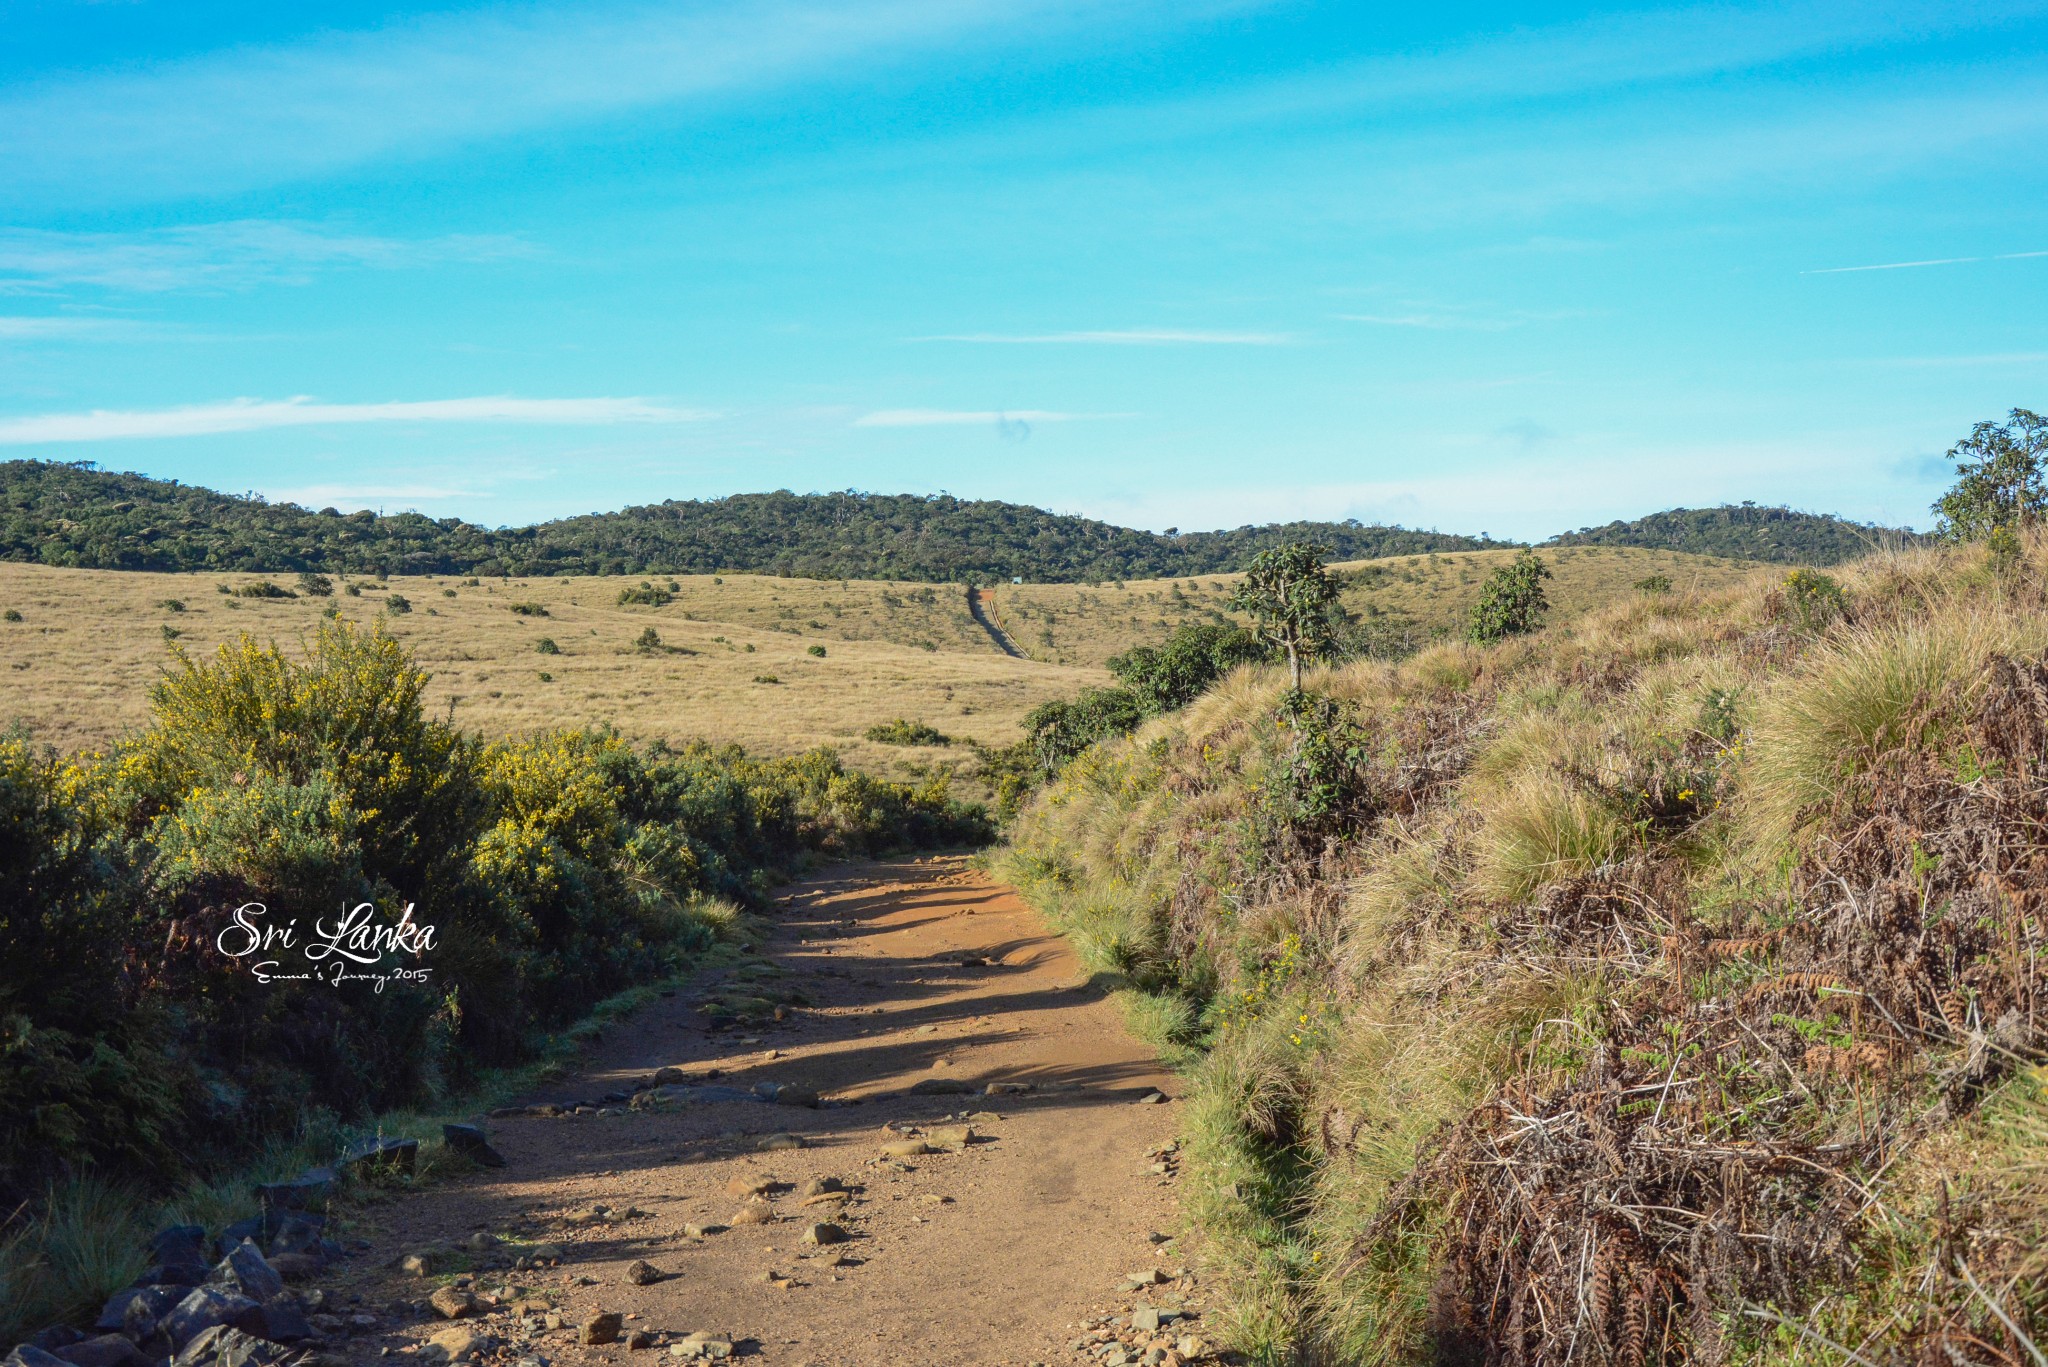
pixel 917 996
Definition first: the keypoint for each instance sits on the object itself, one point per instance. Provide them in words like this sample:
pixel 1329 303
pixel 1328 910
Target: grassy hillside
pixel 79 516
pixel 1747 532
pixel 1419 596
pixel 76 668
pixel 1668 986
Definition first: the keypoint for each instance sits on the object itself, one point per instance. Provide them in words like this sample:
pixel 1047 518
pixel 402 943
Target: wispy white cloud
pixel 227 255
pixel 259 115
pixel 1435 322
pixel 352 496
pixel 953 417
pixel 1915 265
pixel 1999 358
pixel 1119 337
pixel 255 415
pixel 1573 482
pixel 61 329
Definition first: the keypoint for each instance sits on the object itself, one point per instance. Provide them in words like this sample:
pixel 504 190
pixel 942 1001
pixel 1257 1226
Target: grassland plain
pixel 76 669
pixel 1671 985
pixel 734 660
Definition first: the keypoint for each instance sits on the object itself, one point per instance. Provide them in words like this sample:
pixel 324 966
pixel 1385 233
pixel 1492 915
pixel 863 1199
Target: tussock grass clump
pixel 1668 986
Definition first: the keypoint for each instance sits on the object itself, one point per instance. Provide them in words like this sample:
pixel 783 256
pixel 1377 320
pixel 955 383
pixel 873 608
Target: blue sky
pixel 1512 269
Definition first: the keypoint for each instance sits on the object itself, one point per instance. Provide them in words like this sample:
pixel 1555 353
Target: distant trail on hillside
pixel 995 633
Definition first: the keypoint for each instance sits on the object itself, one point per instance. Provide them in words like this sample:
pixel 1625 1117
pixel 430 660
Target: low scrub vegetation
pixel 557 869
pixel 903 731
pixel 1665 986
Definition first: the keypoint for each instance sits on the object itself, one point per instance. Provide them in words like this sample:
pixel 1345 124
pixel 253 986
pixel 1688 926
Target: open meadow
pixel 776 664
pixel 734 660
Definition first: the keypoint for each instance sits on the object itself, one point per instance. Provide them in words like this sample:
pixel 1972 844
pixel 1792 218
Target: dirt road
pixel 906 973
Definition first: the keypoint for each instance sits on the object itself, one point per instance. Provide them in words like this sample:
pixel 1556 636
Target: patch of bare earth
pixel 1009 1246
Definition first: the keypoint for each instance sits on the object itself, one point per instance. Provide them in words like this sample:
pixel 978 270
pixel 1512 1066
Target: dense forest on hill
pixel 78 516
pixel 1747 532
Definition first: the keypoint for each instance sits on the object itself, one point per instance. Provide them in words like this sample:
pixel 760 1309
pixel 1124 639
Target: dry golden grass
pixel 77 669
pixel 1083 624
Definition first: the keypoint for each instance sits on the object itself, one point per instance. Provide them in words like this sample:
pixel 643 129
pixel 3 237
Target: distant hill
pixel 80 516
pixel 1744 531
pixel 77 515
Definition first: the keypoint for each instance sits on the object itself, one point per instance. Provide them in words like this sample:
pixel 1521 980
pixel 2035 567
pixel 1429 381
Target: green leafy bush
pixel 1813 600
pixel 546 646
pixel 1512 602
pixel 557 868
pixel 1175 673
pixel 647 593
pixel 903 731
pixel 398 605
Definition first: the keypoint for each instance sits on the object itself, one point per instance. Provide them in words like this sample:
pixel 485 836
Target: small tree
pixel 2001 485
pixel 1290 597
pixel 1512 603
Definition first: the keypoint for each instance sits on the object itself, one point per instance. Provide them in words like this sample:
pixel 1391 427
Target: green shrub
pixel 546 646
pixel 649 639
pixel 817 651
pixel 527 609
pixel 558 870
pixel 172 605
pixel 398 605
pixel 1057 731
pixel 1175 673
pixel 647 593
pixel 264 589
pixel 11 615
pixel 1654 584
pixel 1813 600
pixel 905 732
pixel 316 585
pixel 1512 601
